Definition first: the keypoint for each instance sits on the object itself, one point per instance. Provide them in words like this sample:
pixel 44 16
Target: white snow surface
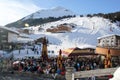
pixel 9 29
pixel 54 12
pixel 85 33
pixel 4 54
pixel 25 53
pixel 116 75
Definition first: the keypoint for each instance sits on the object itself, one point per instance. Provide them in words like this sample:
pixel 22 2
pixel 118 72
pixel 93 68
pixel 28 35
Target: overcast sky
pixel 13 10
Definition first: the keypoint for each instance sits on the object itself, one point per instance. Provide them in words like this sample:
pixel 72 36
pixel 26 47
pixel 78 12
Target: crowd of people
pixel 51 66
pixel 39 66
pixel 86 63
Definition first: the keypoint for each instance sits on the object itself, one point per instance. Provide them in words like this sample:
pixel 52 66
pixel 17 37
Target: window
pixel 4 41
pixel 102 45
pixel 48 51
pixel 99 41
pixel 4 35
pixel 1 31
pixel 107 40
pixel 52 51
pixel 117 43
pixel 103 40
pixel 111 40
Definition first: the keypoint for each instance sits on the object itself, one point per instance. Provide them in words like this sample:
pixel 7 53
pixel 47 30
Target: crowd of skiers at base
pixel 89 63
pixel 39 66
pixel 50 67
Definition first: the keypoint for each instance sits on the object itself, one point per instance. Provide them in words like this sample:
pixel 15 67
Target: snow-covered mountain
pixel 85 32
pixel 42 16
pixel 54 12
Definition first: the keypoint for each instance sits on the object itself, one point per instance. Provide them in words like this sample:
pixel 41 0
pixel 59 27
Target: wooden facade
pixel 104 51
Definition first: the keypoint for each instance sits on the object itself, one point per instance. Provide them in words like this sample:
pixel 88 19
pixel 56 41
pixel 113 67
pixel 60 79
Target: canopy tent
pixel 67 51
pixel 77 51
pixel 17 62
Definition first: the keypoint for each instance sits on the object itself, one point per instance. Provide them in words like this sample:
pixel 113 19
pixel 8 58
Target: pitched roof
pixel 9 29
pixel 108 36
pixel 78 51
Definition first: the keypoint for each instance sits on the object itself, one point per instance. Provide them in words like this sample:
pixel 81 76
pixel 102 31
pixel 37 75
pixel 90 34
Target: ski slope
pixel 85 33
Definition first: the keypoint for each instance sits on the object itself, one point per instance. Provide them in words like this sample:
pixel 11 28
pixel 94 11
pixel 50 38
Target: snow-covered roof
pixel 23 40
pixel 24 35
pixel 9 29
pixel 108 36
pixel 54 12
pixel 28 28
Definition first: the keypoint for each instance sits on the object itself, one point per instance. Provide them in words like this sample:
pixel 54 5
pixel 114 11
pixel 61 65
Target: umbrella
pixel 16 62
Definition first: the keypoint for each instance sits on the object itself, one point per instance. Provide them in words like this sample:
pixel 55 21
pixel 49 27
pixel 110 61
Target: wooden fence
pixel 71 75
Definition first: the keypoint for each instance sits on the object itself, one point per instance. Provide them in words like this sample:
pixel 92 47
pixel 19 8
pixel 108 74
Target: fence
pixel 71 75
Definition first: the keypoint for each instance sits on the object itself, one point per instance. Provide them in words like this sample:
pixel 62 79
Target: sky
pixel 13 10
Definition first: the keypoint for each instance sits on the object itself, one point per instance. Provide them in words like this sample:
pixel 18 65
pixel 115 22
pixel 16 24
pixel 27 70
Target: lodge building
pixel 109 43
pixel 7 36
pixel 10 37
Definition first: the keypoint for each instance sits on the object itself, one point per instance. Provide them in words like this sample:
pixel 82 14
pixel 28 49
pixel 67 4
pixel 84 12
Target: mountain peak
pixel 54 12
pixel 58 8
